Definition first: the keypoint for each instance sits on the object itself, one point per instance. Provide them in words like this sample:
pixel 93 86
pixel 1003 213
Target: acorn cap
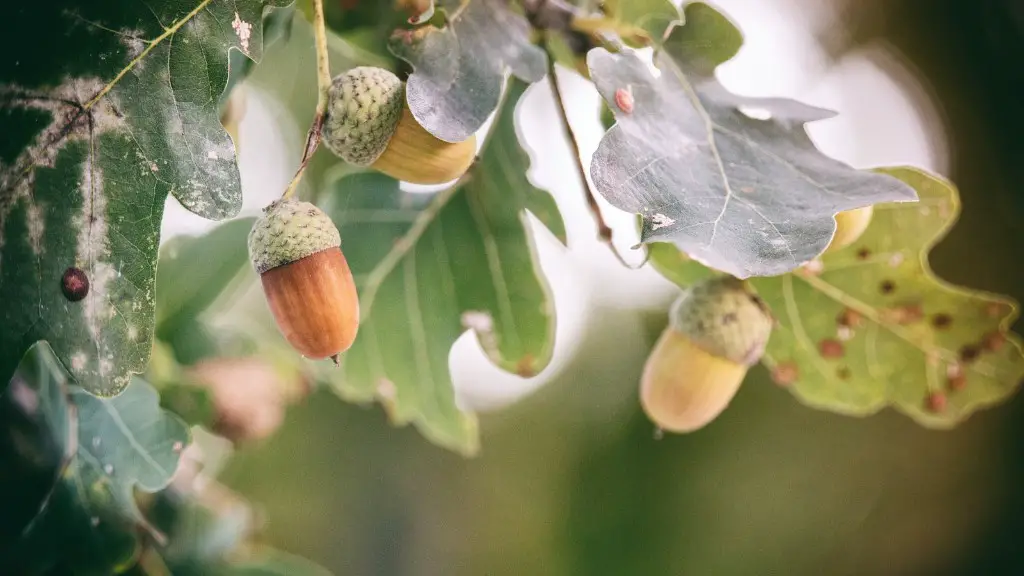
pixel 290 230
pixel 724 317
pixel 365 105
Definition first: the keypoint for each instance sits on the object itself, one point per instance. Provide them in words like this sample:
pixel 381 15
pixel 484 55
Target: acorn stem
pixel 323 80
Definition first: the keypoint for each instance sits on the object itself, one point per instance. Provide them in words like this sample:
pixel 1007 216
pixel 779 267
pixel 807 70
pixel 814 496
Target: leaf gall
pixel 75 284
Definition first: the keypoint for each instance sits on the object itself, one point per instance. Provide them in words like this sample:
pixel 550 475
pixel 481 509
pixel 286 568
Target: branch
pixel 604 232
pixel 323 80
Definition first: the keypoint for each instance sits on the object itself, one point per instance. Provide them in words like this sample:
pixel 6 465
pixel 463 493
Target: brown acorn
pixel 850 225
pixel 296 250
pixel 370 124
pixel 717 330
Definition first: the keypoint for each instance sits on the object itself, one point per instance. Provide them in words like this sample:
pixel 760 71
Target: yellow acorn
pixel 296 250
pixel 717 330
pixel 369 123
pixel 850 225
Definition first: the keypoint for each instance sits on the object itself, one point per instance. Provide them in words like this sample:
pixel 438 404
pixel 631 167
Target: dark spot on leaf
pixel 969 353
pixel 850 318
pixel 936 402
pixel 75 284
pixel 887 287
pixel 729 318
pixel 785 373
pixel 863 254
pixel 993 341
pixel 831 348
pixel 941 321
pixel 843 373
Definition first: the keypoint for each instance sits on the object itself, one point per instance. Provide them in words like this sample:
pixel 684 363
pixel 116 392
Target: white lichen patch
pixel 243 30
pixel 479 321
pixel 92 248
pixel 68 123
pixel 212 154
pixel 36 228
pixel 134 43
pixel 660 220
pixel 133 333
pixel 78 361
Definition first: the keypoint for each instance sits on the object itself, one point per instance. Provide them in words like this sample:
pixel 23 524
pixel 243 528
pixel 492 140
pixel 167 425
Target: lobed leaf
pixel 870 325
pixel 733 181
pixel 117 109
pixel 459 70
pixel 89 522
pixel 431 268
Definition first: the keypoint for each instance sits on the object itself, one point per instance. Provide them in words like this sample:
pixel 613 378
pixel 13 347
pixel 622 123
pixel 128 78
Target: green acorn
pixel 369 124
pixel 717 330
pixel 296 250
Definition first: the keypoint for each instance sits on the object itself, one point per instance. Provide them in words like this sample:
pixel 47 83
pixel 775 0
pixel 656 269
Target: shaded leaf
pixel 117 109
pixel 90 523
pixel 431 268
pixel 870 325
pixel 271 562
pixel 637 22
pixel 459 70
pixel 748 196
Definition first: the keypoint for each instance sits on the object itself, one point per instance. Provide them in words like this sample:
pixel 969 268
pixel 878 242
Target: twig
pixel 604 232
pixel 323 80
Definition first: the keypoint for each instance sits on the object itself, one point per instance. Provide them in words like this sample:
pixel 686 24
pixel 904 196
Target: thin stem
pixel 323 81
pixel 604 232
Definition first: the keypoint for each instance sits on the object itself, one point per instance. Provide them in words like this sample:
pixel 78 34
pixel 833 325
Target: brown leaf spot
pixel 903 315
pixel 843 373
pixel 969 353
pixel 863 254
pixel 887 287
pixel 957 381
pixel 785 373
pixel 941 321
pixel 936 402
pixel 74 283
pixel 994 310
pixel 624 99
pixel 993 341
pixel 850 318
pixel 527 366
pixel 831 348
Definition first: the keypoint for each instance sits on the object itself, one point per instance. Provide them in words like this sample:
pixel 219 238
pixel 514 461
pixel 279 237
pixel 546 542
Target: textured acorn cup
pixel 370 124
pixel 850 225
pixel 296 250
pixel 717 330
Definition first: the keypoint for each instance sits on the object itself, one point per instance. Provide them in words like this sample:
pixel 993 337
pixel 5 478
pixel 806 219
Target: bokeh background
pixel 571 478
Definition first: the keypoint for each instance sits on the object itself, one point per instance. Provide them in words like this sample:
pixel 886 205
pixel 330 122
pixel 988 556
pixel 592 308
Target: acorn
pixel 296 250
pixel 370 124
pixel 717 330
pixel 850 225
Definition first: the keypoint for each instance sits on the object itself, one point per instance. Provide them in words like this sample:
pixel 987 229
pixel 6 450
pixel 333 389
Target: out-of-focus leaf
pixel 116 109
pixel 432 268
pixel 90 523
pixel 637 22
pixel 459 70
pixel 870 325
pixel 744 194
pixel 271 562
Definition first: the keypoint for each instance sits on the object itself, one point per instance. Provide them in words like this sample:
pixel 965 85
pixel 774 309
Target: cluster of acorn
pixel 295 247
pixel 717 330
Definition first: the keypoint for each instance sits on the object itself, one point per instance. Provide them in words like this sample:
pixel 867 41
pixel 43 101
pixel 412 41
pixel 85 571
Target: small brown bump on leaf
pixel 993 341
pixel 624 99
pixel 74 283
pixel 941 321
pixel 785 373
pixel 994 310
pixel 957 382
pixel 527 366
pixel 887 287
pixel 831 348
pixel 969 353
pixel 843 372
pixel 936 402
pixel 863 254
pixel 850 318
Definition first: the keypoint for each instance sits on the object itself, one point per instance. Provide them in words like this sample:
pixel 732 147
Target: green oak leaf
pixel 431 268
pixel 89 523
pixel 637 22
pixel 117 109
pixel 459 70
pixel 747 195
pixel 870 325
